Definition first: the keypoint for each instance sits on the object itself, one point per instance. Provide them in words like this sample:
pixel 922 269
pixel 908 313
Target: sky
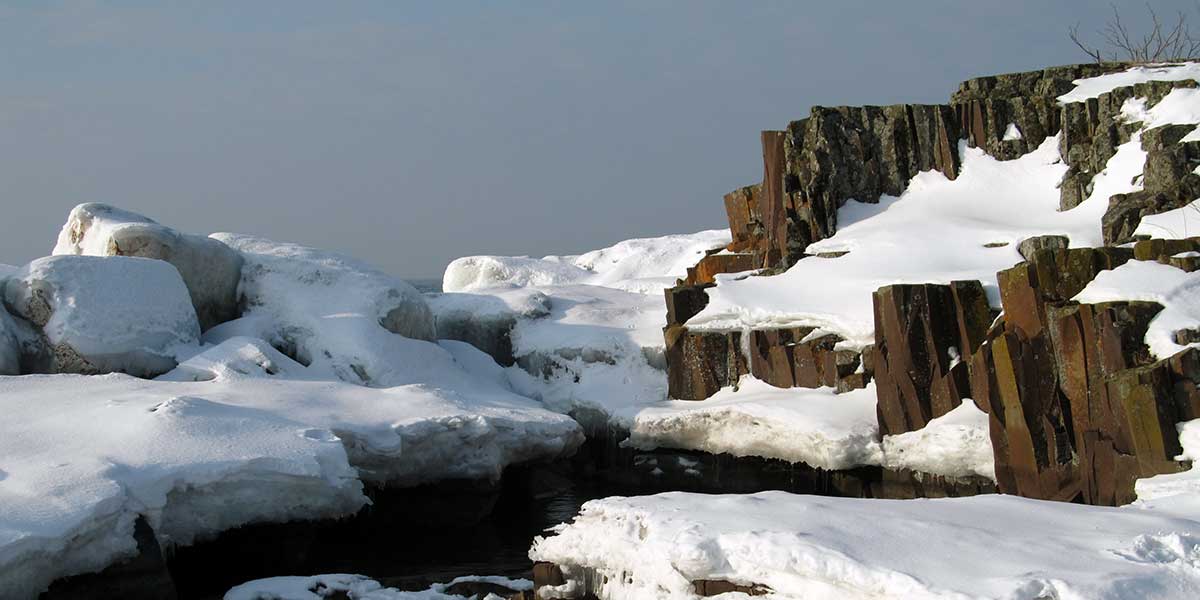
pixel 411 133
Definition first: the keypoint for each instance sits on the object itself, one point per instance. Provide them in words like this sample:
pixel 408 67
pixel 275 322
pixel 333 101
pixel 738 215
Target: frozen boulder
pixel 321 308
pixel 106 314
pixel 211 270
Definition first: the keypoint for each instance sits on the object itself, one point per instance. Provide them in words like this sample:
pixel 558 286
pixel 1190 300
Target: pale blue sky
pixel 412 133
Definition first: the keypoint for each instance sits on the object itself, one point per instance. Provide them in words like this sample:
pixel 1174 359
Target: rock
pixel 685 301
pixel 211 270
pixel 715 587
pixel 10 345
pixel 1168 252
pixel 106 314
pixel 849 152
pixel 1013 379
pixel 745 222
pixel 799 357
pixel 1042 242
pixel 1092 130
pixel 1168 183
pixel 717 263
pixel 1095 346
pixel 922 333
pixel 702 362
pixel 1052 275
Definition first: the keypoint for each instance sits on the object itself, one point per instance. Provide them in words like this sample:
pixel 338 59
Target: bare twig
pixel 1163 42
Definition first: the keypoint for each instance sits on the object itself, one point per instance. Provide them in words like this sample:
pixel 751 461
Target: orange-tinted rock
pixel 1053 275
pixel 718 263
pixel 1030 422
pixel 922 331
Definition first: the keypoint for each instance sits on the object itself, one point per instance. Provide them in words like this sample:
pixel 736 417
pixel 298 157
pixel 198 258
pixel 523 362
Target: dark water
pixel 412 538
pixel 409 539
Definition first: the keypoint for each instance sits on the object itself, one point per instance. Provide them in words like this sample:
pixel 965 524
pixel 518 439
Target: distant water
pixel 426 285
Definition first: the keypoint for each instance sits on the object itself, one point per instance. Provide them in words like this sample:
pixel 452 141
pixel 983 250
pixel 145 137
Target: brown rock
pixel 1053 275
pixel 921 333
pixel 788 358
pixel 701 363
pixel 1030 423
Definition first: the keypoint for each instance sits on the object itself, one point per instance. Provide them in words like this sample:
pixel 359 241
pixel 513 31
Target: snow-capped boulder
pixel 323 309
pixel 211 270
pixel 106 314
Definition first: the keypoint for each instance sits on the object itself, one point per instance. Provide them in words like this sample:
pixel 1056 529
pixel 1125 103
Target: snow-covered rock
pixel 644 265
pixel 586 330
pixel 211 270
pixel 239 433
pixel 815 427
pixel 106 314
pixel 82 456
pixel 990 546
pixel 937 231
pixel 1176 290
pixel 447 414
pixel 325 310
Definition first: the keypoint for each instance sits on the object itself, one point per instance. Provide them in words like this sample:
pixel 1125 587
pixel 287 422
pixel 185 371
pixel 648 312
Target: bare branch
pixel 1162 42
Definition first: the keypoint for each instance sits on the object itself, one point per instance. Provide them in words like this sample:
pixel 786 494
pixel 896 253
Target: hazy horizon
pixel 410 134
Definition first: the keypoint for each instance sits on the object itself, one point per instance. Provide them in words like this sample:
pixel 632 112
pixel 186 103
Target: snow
pixel 239 431
pixel 935 232
pixel 586 330
pixel 813 426
pixel 90 228
pixel 236 434
pixel 1174 224
pixel 1012 133
pixel 1180 491
pixel 119 313
pixel 458 419
pixel 82 456
pixel 645 265
pixel 331 312
pixel 210 270
pixel 799 546
pixel 956 444
pixel 1176 290
pixel 1093 87
pixel 357 587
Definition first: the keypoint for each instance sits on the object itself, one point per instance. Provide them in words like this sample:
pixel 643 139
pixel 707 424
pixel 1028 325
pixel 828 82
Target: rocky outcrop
pixel 922 333
pixel 1079 410
pixel 1168 182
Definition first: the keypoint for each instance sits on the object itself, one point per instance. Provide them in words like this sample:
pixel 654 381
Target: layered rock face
pixel 1078 406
